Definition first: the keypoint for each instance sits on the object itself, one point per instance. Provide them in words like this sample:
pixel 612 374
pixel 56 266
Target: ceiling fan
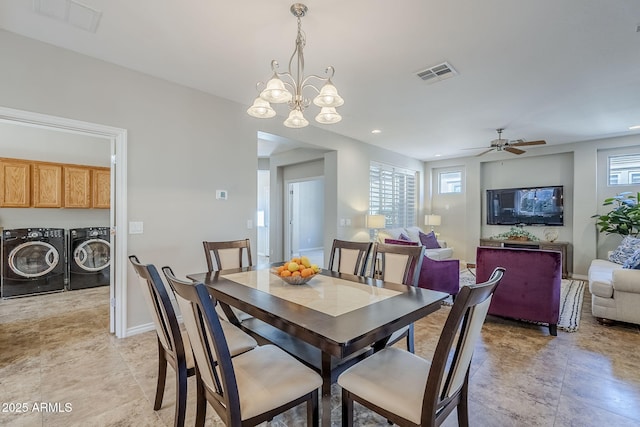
pixel 501 144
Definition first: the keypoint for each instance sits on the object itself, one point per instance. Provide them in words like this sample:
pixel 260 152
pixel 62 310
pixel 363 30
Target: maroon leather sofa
pixel 530 287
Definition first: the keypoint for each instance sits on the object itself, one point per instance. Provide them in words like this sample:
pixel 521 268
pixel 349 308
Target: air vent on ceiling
pixel 71 12
pixel 437 72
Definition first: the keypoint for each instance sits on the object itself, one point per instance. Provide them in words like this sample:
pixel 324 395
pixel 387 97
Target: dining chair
pixel 250 388
pixel 350 257
pixel 228 254
pixel 174 347
pixel 411 391
pixel 225 255
pixel 398 264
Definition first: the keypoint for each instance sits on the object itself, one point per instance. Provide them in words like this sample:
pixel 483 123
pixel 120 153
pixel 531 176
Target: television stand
pixel 562 247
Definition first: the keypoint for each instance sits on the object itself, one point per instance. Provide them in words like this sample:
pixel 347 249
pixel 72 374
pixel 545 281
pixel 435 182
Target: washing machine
pixel 33 261
pixel 89 257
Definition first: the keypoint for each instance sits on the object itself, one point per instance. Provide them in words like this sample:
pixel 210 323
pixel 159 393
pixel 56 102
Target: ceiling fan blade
pixel 473 148
pixel 514 150
pixel 484 152
pixel 520 142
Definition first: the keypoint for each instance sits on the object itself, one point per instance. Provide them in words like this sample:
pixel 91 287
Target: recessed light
pixel 634 127
pixel 438 155
pixel 376 131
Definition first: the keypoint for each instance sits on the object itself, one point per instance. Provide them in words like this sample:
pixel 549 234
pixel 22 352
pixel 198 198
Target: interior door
pixel 304 219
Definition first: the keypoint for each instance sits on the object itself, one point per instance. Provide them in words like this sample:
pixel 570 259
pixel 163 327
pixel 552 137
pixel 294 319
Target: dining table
pixel 329 323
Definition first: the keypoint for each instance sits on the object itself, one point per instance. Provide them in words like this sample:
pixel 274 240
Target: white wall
pixel 182 145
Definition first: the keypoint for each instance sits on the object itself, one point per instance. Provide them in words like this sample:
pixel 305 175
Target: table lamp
pixel 375 222
pixel 432 220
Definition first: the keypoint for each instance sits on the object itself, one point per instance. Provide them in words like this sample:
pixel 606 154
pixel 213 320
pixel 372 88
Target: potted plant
pixel 624 219
pixel 516 233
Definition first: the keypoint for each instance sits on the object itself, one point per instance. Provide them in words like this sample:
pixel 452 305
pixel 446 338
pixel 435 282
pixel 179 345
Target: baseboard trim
pixel 140 329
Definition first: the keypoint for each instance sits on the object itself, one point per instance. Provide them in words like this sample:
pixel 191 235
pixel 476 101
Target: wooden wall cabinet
pixel 47 185
pixel 101 188
pixel 15 183
pixel 77 187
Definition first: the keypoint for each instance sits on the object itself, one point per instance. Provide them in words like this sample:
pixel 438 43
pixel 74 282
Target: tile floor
pixel 56 349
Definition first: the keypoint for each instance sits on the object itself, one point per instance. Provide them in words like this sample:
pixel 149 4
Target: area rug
pixel 571 296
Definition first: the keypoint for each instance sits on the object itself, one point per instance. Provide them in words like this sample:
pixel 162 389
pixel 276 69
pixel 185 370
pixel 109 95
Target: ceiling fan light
pixel 296 120
pixel 276 92
pixel 328 96
pixel 328 115
pixel 261 109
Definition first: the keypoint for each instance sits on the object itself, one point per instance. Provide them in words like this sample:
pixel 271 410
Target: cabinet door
pixel 47 185
pixel 101 191
pixel 77 187
pixel 15 184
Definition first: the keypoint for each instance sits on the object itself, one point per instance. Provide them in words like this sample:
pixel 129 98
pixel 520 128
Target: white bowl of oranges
pixel 297 271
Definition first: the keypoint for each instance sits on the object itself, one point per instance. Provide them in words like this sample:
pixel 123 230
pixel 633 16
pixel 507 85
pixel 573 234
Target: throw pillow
pixel 627 248
pixel 633 261
pixel 400 242
pixel 404 237
pixel 429 240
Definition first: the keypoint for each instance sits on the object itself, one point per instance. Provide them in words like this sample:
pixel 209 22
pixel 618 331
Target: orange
pixel 295 273
pixel 285 273
pixel 280 269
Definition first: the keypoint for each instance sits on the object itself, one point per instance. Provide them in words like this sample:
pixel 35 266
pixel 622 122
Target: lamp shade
pixel 432 220
pixel 261 109
pixel 296 120
pixel 328 96
pixel 276 92
pixel 328 115
pixel 376 221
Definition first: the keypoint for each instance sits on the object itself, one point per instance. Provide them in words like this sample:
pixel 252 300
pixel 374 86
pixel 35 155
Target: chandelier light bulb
pixel 296 120
pixel 276 92
pixel 328 96
pixel 261 109
pixel 328 115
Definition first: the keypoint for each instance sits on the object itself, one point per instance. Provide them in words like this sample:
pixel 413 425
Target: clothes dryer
pixel 89 257
pixel 33 261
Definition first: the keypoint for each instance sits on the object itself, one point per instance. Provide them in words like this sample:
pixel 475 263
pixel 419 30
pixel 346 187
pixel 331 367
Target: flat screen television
pixel 529 206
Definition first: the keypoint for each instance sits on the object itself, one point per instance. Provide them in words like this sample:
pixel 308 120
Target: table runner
pixel 329 295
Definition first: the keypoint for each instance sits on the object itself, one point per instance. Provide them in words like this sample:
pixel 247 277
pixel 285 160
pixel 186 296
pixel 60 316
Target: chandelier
pixel 288 87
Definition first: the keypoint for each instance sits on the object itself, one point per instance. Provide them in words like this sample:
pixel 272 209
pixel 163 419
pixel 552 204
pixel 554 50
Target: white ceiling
pixel 558 70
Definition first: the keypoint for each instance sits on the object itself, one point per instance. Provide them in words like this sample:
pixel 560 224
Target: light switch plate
pixel 221 194
pixel 136 227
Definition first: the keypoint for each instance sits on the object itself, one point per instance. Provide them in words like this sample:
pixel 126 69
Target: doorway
pixel 118 141
pixel 304 219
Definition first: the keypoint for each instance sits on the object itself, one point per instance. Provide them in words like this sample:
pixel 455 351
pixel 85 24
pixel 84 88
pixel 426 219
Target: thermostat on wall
pixel 221 194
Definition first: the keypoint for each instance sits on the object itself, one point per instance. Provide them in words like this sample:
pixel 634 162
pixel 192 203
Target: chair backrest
pixel 161 309
pixel 209 345
pixel 397 263
pixel 350 257
pixel 227 254
pixel 461 331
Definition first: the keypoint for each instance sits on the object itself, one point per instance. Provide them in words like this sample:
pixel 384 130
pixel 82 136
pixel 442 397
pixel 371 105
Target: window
pixel 624 169
pixel 450 182
pixel 392 193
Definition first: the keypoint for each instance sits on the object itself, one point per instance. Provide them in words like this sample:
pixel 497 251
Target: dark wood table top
pixel 339 333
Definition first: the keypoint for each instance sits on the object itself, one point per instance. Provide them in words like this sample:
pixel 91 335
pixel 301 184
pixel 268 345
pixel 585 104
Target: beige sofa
pixel 615 291
pixel 412 233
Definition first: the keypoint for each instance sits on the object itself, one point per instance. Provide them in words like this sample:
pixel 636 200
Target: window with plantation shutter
pixel 392 193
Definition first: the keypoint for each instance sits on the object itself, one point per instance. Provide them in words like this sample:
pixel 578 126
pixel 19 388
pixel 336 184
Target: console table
pixel 562 247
